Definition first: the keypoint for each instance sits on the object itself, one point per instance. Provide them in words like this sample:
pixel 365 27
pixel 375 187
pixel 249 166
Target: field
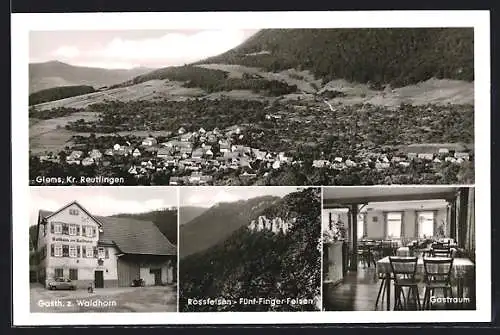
pixel 154 89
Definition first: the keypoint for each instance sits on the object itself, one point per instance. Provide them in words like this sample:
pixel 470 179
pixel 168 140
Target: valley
pixel 227 121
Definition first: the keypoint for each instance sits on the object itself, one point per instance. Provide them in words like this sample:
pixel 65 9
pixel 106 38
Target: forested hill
pixel 165 220
pixel 54 74
pixel 57 93
pixel 261 264
pixel 218 222
pixel 379 56
pixel 189 213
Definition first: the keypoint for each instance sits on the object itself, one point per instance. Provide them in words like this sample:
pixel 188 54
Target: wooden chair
pixel 441 252
pixel 404 270
pixel 437 275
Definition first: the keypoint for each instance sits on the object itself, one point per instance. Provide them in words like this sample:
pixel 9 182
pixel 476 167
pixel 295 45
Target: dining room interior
pixel 398 248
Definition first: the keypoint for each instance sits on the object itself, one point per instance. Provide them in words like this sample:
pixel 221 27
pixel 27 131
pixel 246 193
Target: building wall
pixel 86 268
pixel 377 229
pixel 132 267
pixel 118 270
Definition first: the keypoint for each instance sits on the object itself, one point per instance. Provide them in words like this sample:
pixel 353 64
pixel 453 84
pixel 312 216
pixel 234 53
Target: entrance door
pixel 157 274
pixel 98 279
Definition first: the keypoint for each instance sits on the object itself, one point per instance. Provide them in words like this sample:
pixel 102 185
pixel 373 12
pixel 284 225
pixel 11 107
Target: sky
pixel 209 196
pixel 102 201
pixel 127 49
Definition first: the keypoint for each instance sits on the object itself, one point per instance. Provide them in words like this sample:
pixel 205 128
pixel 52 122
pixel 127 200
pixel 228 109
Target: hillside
pixel 165 220
pixel 213 80
pixel 189 213
pixel 57 93
pixel 260 264
pixel 218 222
pixel 379 56
pixel 54 74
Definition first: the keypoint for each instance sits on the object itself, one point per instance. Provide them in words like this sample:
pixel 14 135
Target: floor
pixel 120 299
pixel 358 292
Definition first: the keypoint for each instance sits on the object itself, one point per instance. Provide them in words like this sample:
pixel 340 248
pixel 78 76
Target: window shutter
pixel 403 232
pixel 84 251
pixel 65 250
pixel 106 251
pixel 52 227
pixel 95 252
pixel 52 250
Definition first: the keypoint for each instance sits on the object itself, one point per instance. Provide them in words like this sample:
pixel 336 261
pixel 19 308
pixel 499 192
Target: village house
pixel 463 155
pixel 132 169
pixel 426 156
pixel 319 163
pixel 164 153
pixel 174 181
pixel 412 155
pixel 87 161
pixel 224 147
pixel 149 141
pixel 208 153
pixel 443 151
pixel 197 153
pixel 76 154
pixel 102 251
pixel 404 164
pixel 350 163
pixel 136 153
pixel 95 154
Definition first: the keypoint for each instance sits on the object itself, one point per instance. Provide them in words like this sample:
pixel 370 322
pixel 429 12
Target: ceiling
pixel 350 195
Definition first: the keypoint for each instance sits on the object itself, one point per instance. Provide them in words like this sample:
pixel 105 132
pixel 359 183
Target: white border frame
pixel 21 24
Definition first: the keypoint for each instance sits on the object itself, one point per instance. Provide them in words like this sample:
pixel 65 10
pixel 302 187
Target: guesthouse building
pixel 102 251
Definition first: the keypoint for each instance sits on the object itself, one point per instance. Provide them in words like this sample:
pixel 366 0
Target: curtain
pixel 470 240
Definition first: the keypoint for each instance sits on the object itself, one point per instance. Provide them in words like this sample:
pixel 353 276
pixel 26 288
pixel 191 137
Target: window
pixel 44 230
pixel 72 229
pixel 88 231
pixel 43 252
pixel 58 250
pixel 361 226
pixel 58 228
pixel 58 273
pixel 73 211
pixel 73 274
pixel 72 251
pixel 89 252
pixel 101 253
pixel 394 225
pixel 425 226
pixel 65 250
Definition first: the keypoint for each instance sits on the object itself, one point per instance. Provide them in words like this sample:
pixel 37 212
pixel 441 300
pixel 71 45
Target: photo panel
pixel 249 249
pixel 337 106
pixel 399 248
pixel 322 165
pixel 95 249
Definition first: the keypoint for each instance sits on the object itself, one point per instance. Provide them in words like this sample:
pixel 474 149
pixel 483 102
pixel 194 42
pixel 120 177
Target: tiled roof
pixel 136 236
pixel 132 236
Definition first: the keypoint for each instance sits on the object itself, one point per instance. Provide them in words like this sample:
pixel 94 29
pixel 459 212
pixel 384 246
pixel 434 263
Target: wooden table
pixel 462 268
